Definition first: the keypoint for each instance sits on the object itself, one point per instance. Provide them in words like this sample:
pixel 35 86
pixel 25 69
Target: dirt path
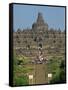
pixel 40 74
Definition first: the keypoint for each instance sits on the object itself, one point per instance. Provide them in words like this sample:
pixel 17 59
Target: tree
pixel 19 73
pixel 60 76
pixel 21 80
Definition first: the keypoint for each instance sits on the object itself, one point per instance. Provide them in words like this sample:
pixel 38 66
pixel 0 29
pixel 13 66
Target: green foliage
pixel 53 65
pixel 21 80
pixel 19 73
pixel 56 66
pixel 59 76
pixel 23 59
pixel 21 69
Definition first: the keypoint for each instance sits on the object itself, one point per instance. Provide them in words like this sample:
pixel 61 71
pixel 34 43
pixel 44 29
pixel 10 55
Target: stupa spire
pixel 40 18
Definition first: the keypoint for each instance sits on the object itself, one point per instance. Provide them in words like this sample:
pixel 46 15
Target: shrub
pixel 21 80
